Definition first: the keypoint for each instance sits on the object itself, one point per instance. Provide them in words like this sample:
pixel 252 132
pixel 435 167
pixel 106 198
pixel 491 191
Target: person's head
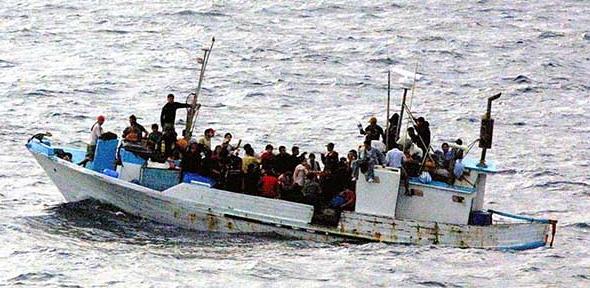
pixel 373 121
pixel 132 120
pixel 269 148
pixel 330 147
pixel 247 146
pixel 411 131
pixel 155 127
pixel 394 119
pixel 420 121
pixel 249 151
pixel 282 150
pixel 459 141
pixel 352 155
pixel 209 132
pixel 193 145
pixel 445 147
pixel 367 144
pixel 170 98
pixel 217 150
pixel 311 156
pixel 459 154
pixel 295 150
pixel 100 119
pixel 227 137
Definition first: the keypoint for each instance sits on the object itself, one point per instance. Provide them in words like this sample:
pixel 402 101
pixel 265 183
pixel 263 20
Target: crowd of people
pixel 293 176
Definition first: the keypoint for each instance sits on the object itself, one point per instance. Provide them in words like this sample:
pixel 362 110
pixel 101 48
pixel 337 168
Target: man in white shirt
pixel 394 158
pixel 95 133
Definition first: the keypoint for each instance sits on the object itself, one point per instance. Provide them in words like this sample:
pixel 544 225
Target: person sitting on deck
pixel 330 158
pixel 206 138
pixel 154 138
pixel 368 157
pixel 458 167
pixel 394 157
pixel 311 190
pixel 269 184
pixel 282 160
pixel 286 186
pixel 191 158
pixel 345 200
pixel 373 131
pixel 135 131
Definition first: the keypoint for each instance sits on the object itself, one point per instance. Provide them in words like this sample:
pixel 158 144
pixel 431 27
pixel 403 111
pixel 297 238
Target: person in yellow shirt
pixel 249 158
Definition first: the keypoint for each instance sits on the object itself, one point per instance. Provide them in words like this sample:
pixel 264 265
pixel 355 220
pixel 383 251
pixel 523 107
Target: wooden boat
pixel 432 213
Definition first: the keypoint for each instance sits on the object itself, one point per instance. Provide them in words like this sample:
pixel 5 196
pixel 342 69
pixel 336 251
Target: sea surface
pixel 294 73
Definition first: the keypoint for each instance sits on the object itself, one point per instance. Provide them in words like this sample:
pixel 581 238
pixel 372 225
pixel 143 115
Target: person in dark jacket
pixel 330 158
pixel 373 131
pixel 423 130
pixel 391 133
pixel 168 115
pixel 191 159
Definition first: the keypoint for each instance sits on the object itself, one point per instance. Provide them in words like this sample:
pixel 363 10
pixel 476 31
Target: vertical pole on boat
pixel 388 101
pixel 194 110
pixel 401 113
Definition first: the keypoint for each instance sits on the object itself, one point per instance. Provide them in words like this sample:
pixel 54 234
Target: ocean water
pixel 304 73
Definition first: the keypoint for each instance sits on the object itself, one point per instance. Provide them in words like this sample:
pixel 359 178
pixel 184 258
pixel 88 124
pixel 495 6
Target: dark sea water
pixel 293 72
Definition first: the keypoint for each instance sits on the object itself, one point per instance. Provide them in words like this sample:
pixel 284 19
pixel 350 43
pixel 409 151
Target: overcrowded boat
pixel 395 189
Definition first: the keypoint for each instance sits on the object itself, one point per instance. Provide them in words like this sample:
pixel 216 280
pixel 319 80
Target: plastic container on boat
pixel 104 155
pixel 194 178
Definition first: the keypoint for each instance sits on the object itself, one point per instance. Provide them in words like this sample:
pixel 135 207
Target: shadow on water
pixel 91 220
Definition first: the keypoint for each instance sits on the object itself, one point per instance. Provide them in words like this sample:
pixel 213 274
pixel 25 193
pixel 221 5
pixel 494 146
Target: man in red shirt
pixel 269 185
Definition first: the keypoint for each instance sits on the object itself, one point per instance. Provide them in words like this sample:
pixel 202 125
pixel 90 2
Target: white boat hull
pixel 77 183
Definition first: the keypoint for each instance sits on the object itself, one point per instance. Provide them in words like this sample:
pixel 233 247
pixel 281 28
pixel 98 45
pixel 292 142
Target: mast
pixel 388 101
pixel 193 112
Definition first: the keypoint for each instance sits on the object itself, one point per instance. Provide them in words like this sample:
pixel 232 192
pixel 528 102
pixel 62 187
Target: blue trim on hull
pixel 525 246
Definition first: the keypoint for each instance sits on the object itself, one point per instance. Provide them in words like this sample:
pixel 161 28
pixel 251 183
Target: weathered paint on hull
pixel 77 183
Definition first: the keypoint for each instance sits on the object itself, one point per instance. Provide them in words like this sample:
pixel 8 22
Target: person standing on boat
pixel 373 131
pixel 330 158
pixel 168 115
pixel 95 133
pixel 206 138
pixel 423 130
pixel 368 158
pixel 391 132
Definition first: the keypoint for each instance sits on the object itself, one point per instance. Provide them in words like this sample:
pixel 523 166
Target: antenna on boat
pixel 191 115
pixel 486 131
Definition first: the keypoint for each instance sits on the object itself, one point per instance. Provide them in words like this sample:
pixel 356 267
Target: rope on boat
pixel 532 220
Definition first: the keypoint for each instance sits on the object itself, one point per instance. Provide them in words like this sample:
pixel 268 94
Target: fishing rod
pixel 194 112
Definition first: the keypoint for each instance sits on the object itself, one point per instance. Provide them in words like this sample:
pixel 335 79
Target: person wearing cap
pixel 373 131
pixel 206 138
pixel 330 158
pixel 135 131
pixel 95 133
